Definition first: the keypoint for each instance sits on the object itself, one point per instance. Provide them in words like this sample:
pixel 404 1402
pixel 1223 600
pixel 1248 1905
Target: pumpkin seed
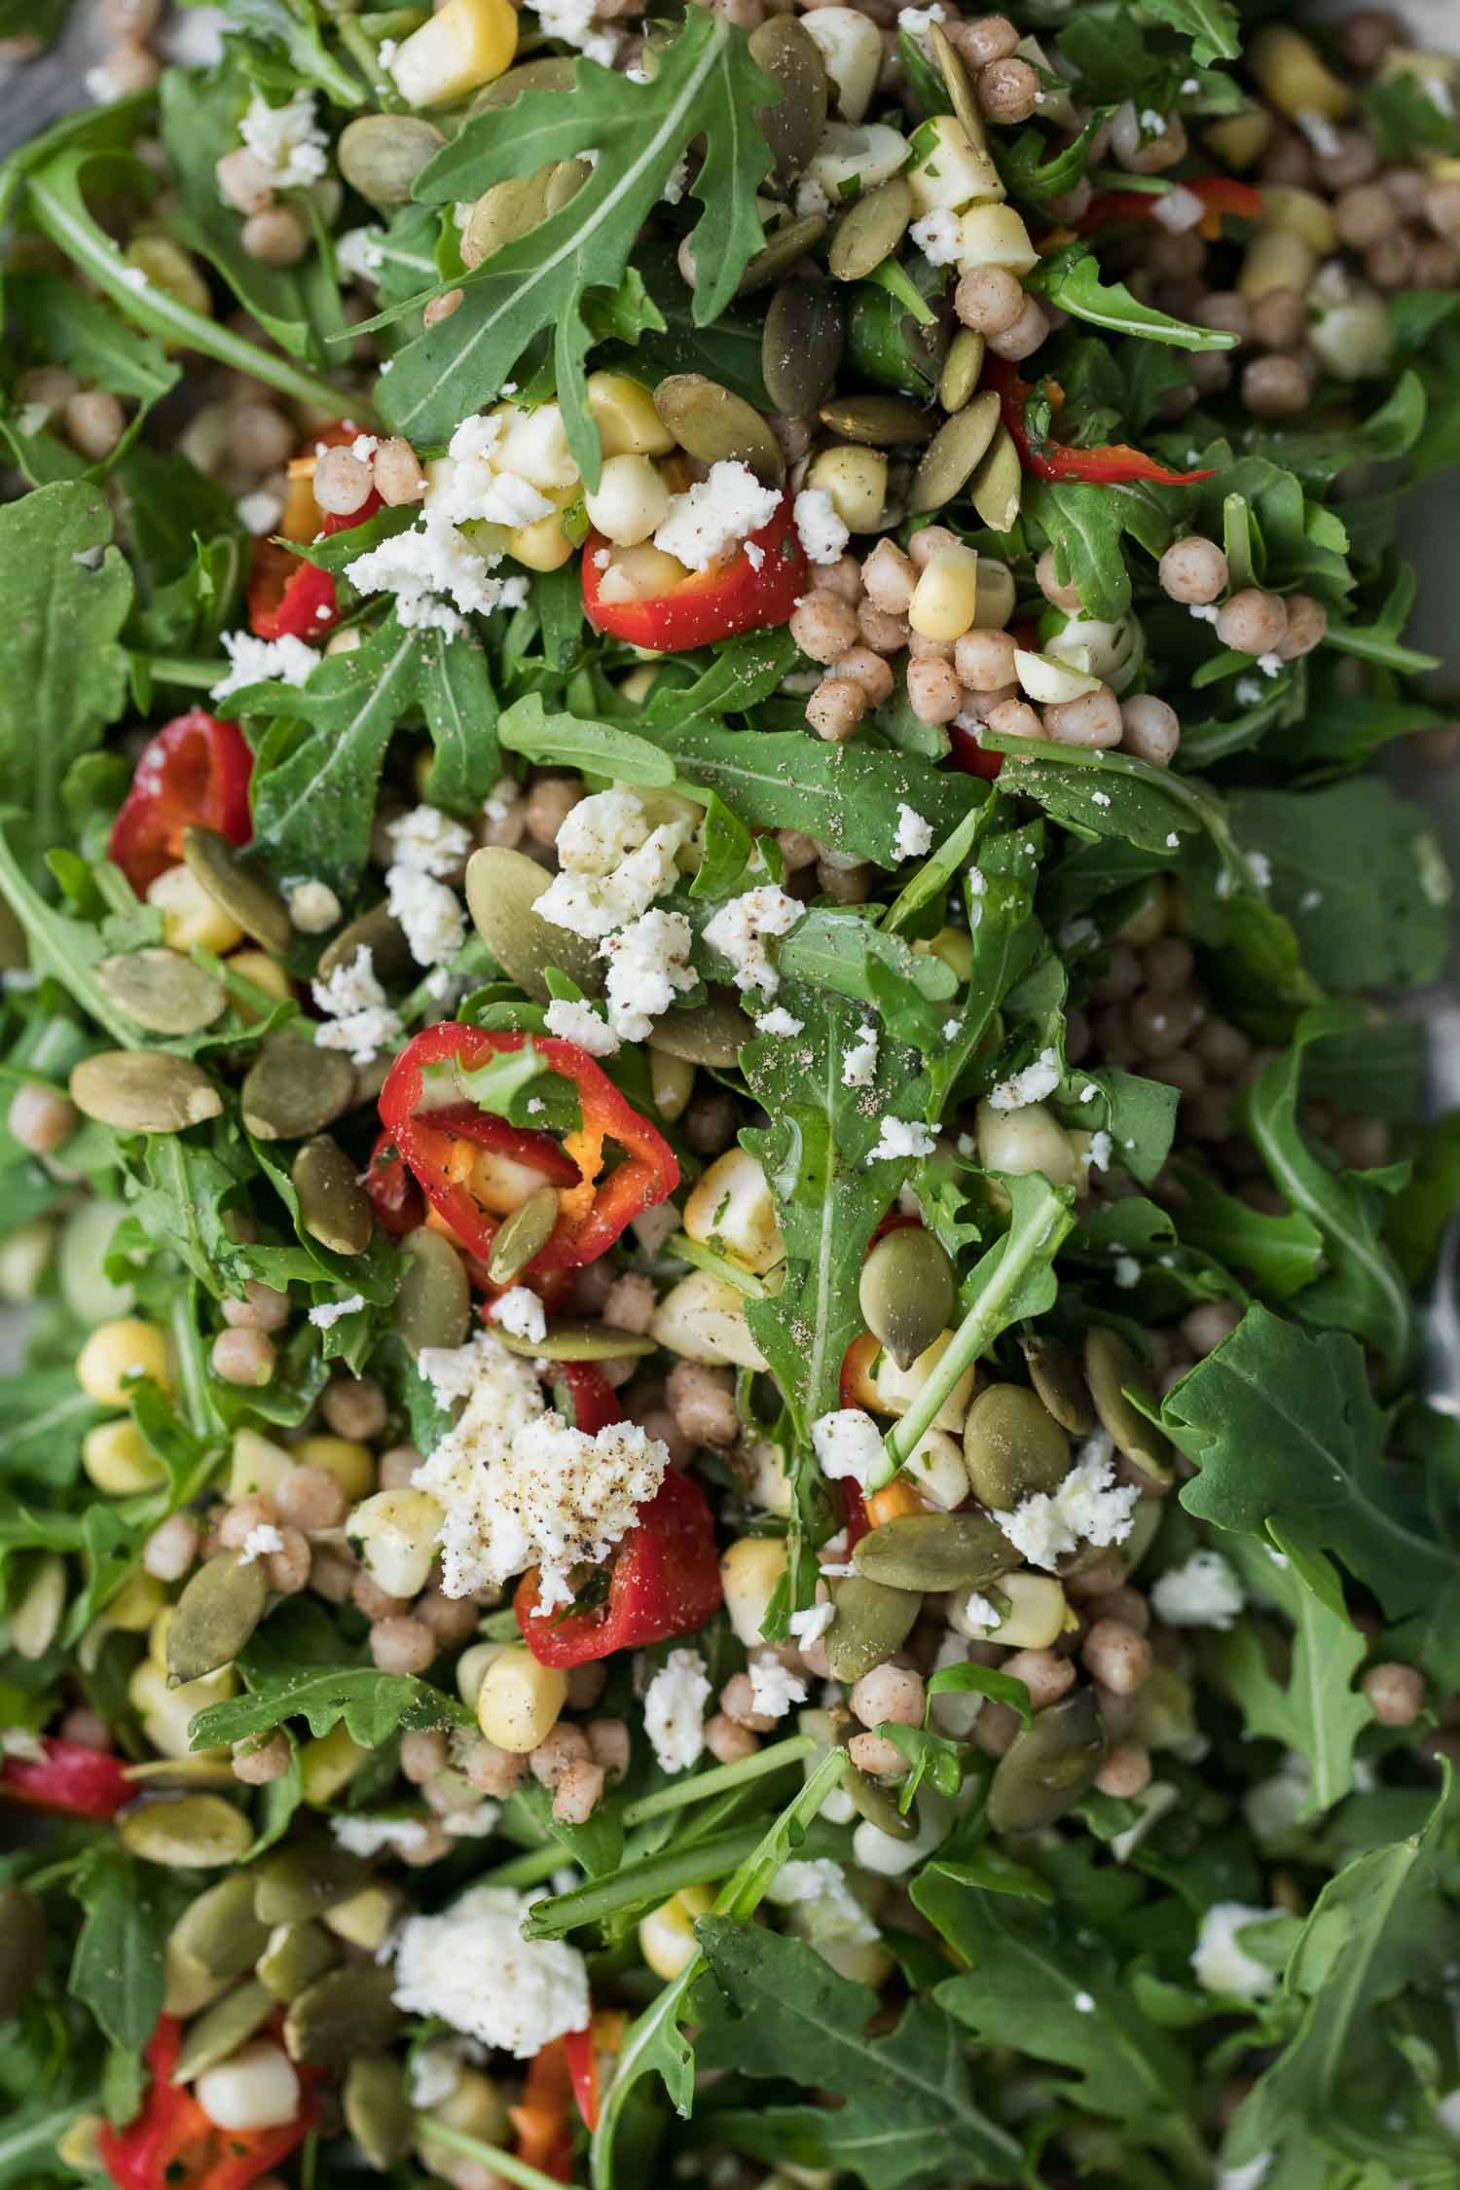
pixel 258 910
pixel 501 889
pixel 1048 1766
pixel 789 55
pixel 931 1551
pixel 186 1832
pixel 304 1880
pixel 293 1089
pixel 716 426
pixel 334 1207
pixel 219 1932
pixel 161 991
pixel 955 453
pixel 38 1604
pixel 801 345
pixel 214 1617
pixel 143 1091
pixel 345 2012
pixel 997 491
pixel 877 421
pixel 1056 1374
pixel 294 1955
pixel 1111 1369
pixel 377 932
pixel 961 94
pixel 381 155
pixel 211 1768
pixel 433 1299
pixel 871 229
pixel 522 1235
pixel 872 1620
pixel 578 1342
pixel 550 72
pixel 22 1948
pixel 378 2111
pixel 782 250
pixel 907 1293
pixel 711 1033
pixel 564 182
pixel 503 214
pixel 961 369
pixel 1012 1447
pixel 875 1803
pixel 221 2029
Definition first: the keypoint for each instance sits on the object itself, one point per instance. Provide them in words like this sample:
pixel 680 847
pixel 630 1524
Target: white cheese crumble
pixel 358 252
pixel 773 1687
pixel 435 2073
pixel 741 929
pixel 981 1613
pixel 471 1967
pixel 261 1539
pixel 715 514
pixel 600 832
pixel 780 1022
pixel 939 236
pixel 900 1138
pixel 378 1835
pixel 1088 1507
pixel 807 1626
pixel 848 1446
pixel 859 1059
pixel 917 22
pixel 286 140
pixel 648 967
pixel 328 1313
pixel 1029 1086
pixel 914 834
pixel 358 1019
pixel 520 1312
pixel 611 866
pixel 674 1710
pixel 429 842
pixel 430 915
pixel 1178 209
pixel 259 512
pixel 817 1889
pixel 818 527
pixel 1203 1592
pixel 572 1021
pixel 262 661
pixel 1127 1273
pixel 1220 1963
pixel 572 22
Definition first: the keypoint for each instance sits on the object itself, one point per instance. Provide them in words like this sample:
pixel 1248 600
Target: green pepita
pixel 955 453
pixel 907 1292
pixel 564 182
pixel 221 2029
pixel 503 214
pixel 502 888
pixel 293 1956
pixel 522 1235
pixel 215 1615
pixel 782 250
pixel 578 1342
pixel 1056 1375
pixel 186 1832
pixel 161 991
pixel 1111 1370
pixel 258 910
pixel 549 72
pixel 872 1621
pixel 711 1033
pixel 377 932
pixel 334 1207
pixel 219 1932
pixel 39 1601
pixel 716 426
pixel 143 1091
pixel 961 95
pixel 997 490
pixel 789 55
pixel 22 1948
pixel 304 1880
pixel 961 369
pixel 378 2111
pixel 932 1551
pixel 294 1089
pixel 381 155
pixel 877 1804
pixel 801 345
pixel 433 1299
pixel 344 2013
pixel 871 230
pixel 1012 1447
pixel 1048 1766
pixel 877 421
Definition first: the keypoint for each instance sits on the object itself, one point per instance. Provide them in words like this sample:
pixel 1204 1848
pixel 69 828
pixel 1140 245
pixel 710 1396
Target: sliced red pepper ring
pixel 624 590
pixel 1116 465
pixel 172 2145
pixel 196 768
pixel 970 756
pixel 69 1780
pixel 663 1580
pixel 288 599
pixel 444 1142
pixel 1220 195
pixel 394 1195
pixel 593 1400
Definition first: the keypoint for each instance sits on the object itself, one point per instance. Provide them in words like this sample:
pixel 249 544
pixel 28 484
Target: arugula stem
pixel 530 1868
pixel 643 1885
pixel 492 2155
pixel 47 932
pixel 679 1794
pixel 177 669
pixel 705 1258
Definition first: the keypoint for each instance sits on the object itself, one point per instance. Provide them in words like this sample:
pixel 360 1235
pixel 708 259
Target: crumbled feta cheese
pixel 773 1687
pixel 780 1022
pixel 914 834
pixel 715 514
pixel 328 1313
pixel 741 929
pixel 807 1626
pixel 648 967
pixel 434 571
pixel 818 527
pixel 600 832
pixel 358 252
pixel 259 513
pixel 1320 133
pixel 377 1835
pixel 1205 612
pixel 1029 1086
pixel 1097 1156
pixel 1088 1507
pixel 816 1889
pixel 1099 798
pixel 917 22
pixel 1220 1963
pixel 899 1138
pixel 572 22
pixel 1084 2003
pixel 1203 1592
pixel 939 236
pixel 981 1613
pixel 261 1539
pixel 193 37
pixel 430 914
pixel 1153 122
pixel 435 2073
pixel 359 1021
pixel 674 190
pixel 577 1022
pixel 263 661
pixel 674 1710
pixel 1178 209
pixel 520 1311
pixel 471 1967
pixel 286 140
pixel 859 1059
pixel 952 1028
pixel 811 198
pixel 848 1446
pixel 593 904
pixel 1127 1272
pixel 1259 866
pixel 429 842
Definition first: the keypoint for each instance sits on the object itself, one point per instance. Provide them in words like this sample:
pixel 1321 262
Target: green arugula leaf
pixel 116 1970
pixel 1278 1255
pixel 1070 278
pixel 62 324
pixel 371 1705
pixel 1211 25
pixel 575 741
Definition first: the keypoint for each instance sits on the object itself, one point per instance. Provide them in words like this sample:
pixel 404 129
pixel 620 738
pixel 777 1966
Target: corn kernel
pixel 945 598
pixel 1296 80
pixel 667 1934
pixel 466 44
pixel 630 501
pixel 1276 259
pixel 191 920
pixel 396 1532
pixel 350 1463
pixel 519 1701
pixel 116 1355
pixel 731 1209
pixel 624 413
pixel 856 480
pixel 119 1460
pixel 751 1572
pixel 327 1765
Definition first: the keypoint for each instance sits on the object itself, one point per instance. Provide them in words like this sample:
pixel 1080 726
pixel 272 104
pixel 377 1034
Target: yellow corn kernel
pixel 751 1572
pixel 534 444
pixel 672 1080
pixel 945 598
pixel 1025 1140
pixel 897 1388
pixel 258 1466
pixel 191 920
pixel 640 574
pixel 1239 140
pixel 119 1460
pixel 36 1608
pixel 667 1934
pixel 327 1765
pixel 116 1355
pixel 731 1209
pixel 630 501
pixel 955 947
pixel 396 1533
pixel 624 413
pixel 1295 78
pixel 519 1702
pixel 263 972
pixel 948 170
pixel 350 1463
pixel 541 546
pixel 703 1318
pixel 466 44
pixel 995 235
pixel 136 1604
pixel 471 1670
pixel 856 480
pixel 1303 213
pixel 1276 259
pixel 77 2146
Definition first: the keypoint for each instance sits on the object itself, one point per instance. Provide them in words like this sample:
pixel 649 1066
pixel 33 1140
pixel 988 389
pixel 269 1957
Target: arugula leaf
pixel 1280 1255
pixel 44 1415
pixel 1070 278
pixel 775 2009
pixel 63 677
pixel 576 741
pixel 1086 524
pixel 371 1705
pixel 116 1970
pixel 1211 25
pixel 60 323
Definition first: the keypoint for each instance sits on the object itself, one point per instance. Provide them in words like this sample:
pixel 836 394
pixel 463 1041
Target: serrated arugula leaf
pixel 116 1970
pixel 1278 1255
pixel 777 2010
pixel 1071 281
pixel 1211 25
pixel 705 88
pixel 371 1705
pixel 582 742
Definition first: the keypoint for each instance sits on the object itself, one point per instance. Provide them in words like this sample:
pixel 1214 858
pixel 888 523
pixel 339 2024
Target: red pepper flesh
pixel 1219 194
pixel 195 769
pixel 970 756
pixel 664 1581
pixel 70 1781
pixel 582 2059
pixel 392 1191
pixel 754 589
pixel 1116 465
pixel 593 1399
pixel 172 2145
pixel 292 599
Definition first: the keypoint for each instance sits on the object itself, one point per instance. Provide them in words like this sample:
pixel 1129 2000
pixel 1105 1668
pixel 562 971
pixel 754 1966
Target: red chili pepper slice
pixel 544 2135
pixel 581 2055
pixel 1220 195
pixel 71 1781
pixel 593 1399
pixel 172 2145
pixel 664 1581
pixel 440 1143
pixel 292 599
pixel 970 756
pixel 756 587
pixel 195 769
pixel 1113 466
pixel 397 1200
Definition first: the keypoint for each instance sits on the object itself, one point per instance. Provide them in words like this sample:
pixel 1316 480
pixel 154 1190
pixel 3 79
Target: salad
pixel 714 1120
